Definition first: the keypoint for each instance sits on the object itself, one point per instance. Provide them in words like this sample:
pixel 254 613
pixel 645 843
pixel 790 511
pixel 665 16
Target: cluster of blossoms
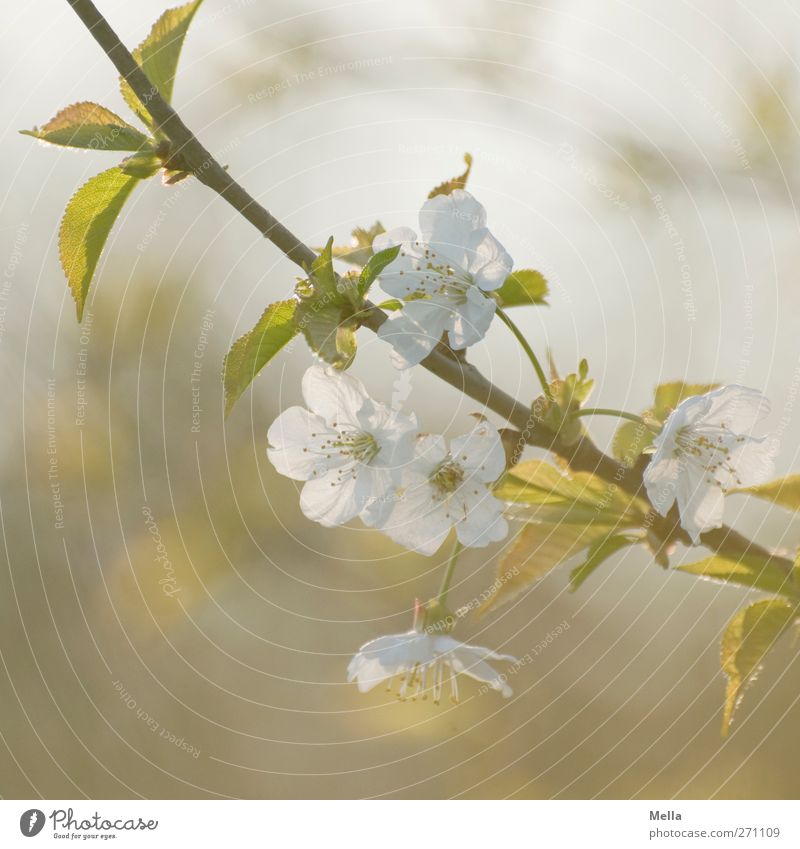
pixel 359 458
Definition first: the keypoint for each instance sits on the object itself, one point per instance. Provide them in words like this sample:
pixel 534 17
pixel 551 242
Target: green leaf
pixel 327 311
pixel 359 252
pixel 460 182
pixel 523 288
pixel 328 332
pixel 87 221
pixel 251 352
pixel 563 515
pixel 375 266
pixel 784 492
pixel 749 636
pixel 746 571
pixel 392 305
pixel 536 550
pixel 598 553
pixel 631 439
pixel 553 496
pixel 158 56
pixel 91 127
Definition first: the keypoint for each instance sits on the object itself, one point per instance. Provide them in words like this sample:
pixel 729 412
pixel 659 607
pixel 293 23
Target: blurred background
pixel 170 624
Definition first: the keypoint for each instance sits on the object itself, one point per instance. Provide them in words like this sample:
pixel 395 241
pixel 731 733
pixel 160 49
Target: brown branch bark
pixel 194 157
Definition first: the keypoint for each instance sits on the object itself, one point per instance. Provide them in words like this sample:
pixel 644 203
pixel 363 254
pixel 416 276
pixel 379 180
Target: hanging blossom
pixel 349 449
pixel 424 663
pixel 442 278
pixel 703 451
pixel 440 489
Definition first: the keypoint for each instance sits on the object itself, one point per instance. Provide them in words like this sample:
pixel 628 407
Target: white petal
pixel 395 433
pixel 753 461
pixel 689 411
pixel 334 395
pixel 370 673
pixel 387 656
pixel 411 342
pixel 391 238
pixel 292 449
pixel 664 441
pixel 480 452
pixel 404 285
pixel 447 223
pixel 482 521
pixel 471 320
pixel 661 481
pixel 330 500
pixel 432 316
pixel 446 643
pixel 419 520
pixel 471 661
pixel 701 504
pixel 430 449
pixel 378 496
pixel 738 407
pixel 487 260
pixel 401 277
pixel 481 671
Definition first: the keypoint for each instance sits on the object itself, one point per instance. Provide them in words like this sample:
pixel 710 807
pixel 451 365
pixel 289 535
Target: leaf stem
pixel 620 414
pixel 506 319
pixel 447 578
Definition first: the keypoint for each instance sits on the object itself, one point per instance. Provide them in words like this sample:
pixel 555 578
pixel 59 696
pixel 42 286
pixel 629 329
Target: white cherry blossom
pixel 704 450
pixel 424 663
pixel 440 489
pixel 442 277
pixel 349 449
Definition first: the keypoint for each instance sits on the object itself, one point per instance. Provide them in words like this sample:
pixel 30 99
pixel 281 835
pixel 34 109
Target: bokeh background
pixel 643 156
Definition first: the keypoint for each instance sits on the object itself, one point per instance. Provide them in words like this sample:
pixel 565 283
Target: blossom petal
pixel 487 260
pixel 469 660
pixel 411 342
pixel 291 445
pixel 737 407
pixel 331 500
pixel 387 656
pixel 392 238
pixel 446 643
pixel 480 452
pixel 334 395
pixel 482 671
pixel 430 449
pixel 753 461
pixel 378 496
pixel 661 481
pixel 419 520
pixel 471 321
pixel 483 521
pixel 447 223
pixel 700 503
pixel 395 433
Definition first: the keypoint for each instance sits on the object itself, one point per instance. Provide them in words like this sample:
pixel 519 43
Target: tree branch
pixel 193 156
